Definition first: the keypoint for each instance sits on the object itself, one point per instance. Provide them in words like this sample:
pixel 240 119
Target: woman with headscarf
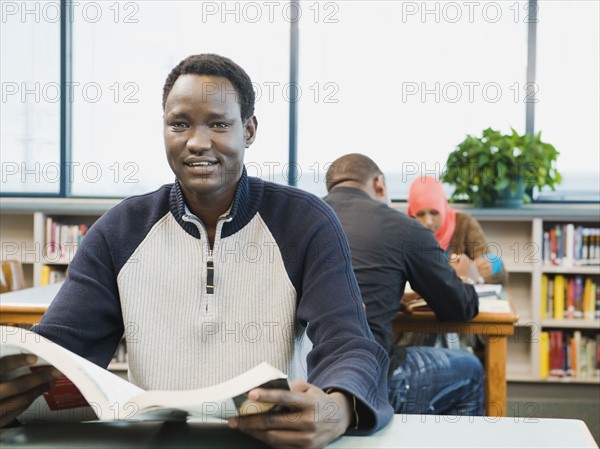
pixel 457 232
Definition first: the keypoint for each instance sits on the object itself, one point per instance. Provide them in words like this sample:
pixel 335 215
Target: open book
pixel 491 299
pixel 89 392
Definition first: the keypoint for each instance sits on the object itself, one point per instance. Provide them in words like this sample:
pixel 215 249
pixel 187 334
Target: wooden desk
pixel 495 326
pixel 404 431
pixel 28 305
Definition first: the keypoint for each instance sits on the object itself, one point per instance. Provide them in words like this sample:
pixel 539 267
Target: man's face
pixel 205 138
pixel 429 218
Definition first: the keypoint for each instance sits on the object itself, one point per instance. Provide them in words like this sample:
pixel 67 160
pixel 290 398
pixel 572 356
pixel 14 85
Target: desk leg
pixel 495 372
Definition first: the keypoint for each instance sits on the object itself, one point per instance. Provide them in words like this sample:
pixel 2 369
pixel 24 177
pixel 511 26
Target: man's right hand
pixel 18 393
pixel 406 299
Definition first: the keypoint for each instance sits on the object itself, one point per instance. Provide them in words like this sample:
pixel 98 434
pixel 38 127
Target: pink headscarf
pixel 427 193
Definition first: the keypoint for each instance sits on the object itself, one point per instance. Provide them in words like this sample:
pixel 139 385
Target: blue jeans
pixel 437 381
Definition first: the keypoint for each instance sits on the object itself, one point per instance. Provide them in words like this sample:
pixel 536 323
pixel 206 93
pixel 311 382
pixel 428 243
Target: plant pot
pixel 507 198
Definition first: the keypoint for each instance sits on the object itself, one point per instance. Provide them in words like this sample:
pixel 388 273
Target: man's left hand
pixel 305 416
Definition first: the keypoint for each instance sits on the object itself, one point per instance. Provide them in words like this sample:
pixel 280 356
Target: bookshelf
pixel 57 237
pixel 520 236
pixel 23 231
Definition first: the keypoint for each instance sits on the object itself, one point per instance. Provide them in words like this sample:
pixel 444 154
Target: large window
pixel 31 95
pixel 404 82
pixel 124 54
pixel 568 77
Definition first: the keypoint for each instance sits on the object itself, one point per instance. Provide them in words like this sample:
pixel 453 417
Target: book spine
pixel 556 354
pixel 570 306
pixel 589 299
pixel 559 296
pixel 576 354
pixel 550 309
pixel 546 249
pixel 569 244
pixel 544 354
pixel 559 245
pixel 544 297
pixel 597 295
pixel 578 297
pixel 597 351
pixel 553 246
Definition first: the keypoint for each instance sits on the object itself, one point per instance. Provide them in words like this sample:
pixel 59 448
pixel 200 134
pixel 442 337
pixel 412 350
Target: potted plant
pixel 499 170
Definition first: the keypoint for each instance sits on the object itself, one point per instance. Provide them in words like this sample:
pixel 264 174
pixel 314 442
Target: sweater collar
pixel 246 202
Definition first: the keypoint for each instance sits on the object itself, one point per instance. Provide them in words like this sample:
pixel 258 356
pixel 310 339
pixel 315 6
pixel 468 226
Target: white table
pixel 405 431
pixel 430 431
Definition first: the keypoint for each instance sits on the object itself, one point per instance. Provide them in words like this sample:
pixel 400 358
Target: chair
pixel 3 283
pixel 12 275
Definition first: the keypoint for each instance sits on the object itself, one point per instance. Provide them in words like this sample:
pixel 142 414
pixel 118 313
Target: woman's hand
pixel 484 267
pixel 465 268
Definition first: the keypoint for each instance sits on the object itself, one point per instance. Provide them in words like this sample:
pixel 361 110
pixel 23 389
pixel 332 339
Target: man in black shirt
pixel 388 249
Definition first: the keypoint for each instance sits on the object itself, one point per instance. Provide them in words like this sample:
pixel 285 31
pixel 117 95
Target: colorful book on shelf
pixel 544 297
pixel 559 244
pixel 578 297
pixel 589 299
pixel 45 275
pixel 556 354
pixel 553 246
pixel 597 364
pixel 550 308
pixel 569 242
pixel 544 354
pixel 570 293
pixel 559 297
pixel 576 354
pixel 89 392
pixel 597 306
pixel 546 248
pixel 62 240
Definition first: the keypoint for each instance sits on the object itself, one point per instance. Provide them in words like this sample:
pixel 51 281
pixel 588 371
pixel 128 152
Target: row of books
pixel 62 240
pixel 569 297
pixel 569 245
pixel 52 275
pixel 569 354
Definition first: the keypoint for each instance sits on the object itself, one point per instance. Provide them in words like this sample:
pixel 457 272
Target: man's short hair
pixel 215 65
pixel 351 167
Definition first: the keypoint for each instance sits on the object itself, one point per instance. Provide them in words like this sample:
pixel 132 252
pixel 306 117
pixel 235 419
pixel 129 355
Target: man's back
pixel 388 249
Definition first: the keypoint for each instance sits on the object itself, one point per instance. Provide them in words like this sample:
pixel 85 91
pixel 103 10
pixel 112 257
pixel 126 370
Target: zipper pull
pixel 210 276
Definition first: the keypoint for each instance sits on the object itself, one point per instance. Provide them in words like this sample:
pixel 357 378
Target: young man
pixel 388 249
pixel 186 270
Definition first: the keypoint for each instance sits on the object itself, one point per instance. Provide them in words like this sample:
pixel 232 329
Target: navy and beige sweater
pixel 193 316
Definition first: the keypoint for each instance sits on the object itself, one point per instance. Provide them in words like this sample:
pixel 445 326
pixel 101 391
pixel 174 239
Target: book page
pixel 491 299
pixel 483 290
pixel 223 400
pixel 83 384
pixel 491 304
